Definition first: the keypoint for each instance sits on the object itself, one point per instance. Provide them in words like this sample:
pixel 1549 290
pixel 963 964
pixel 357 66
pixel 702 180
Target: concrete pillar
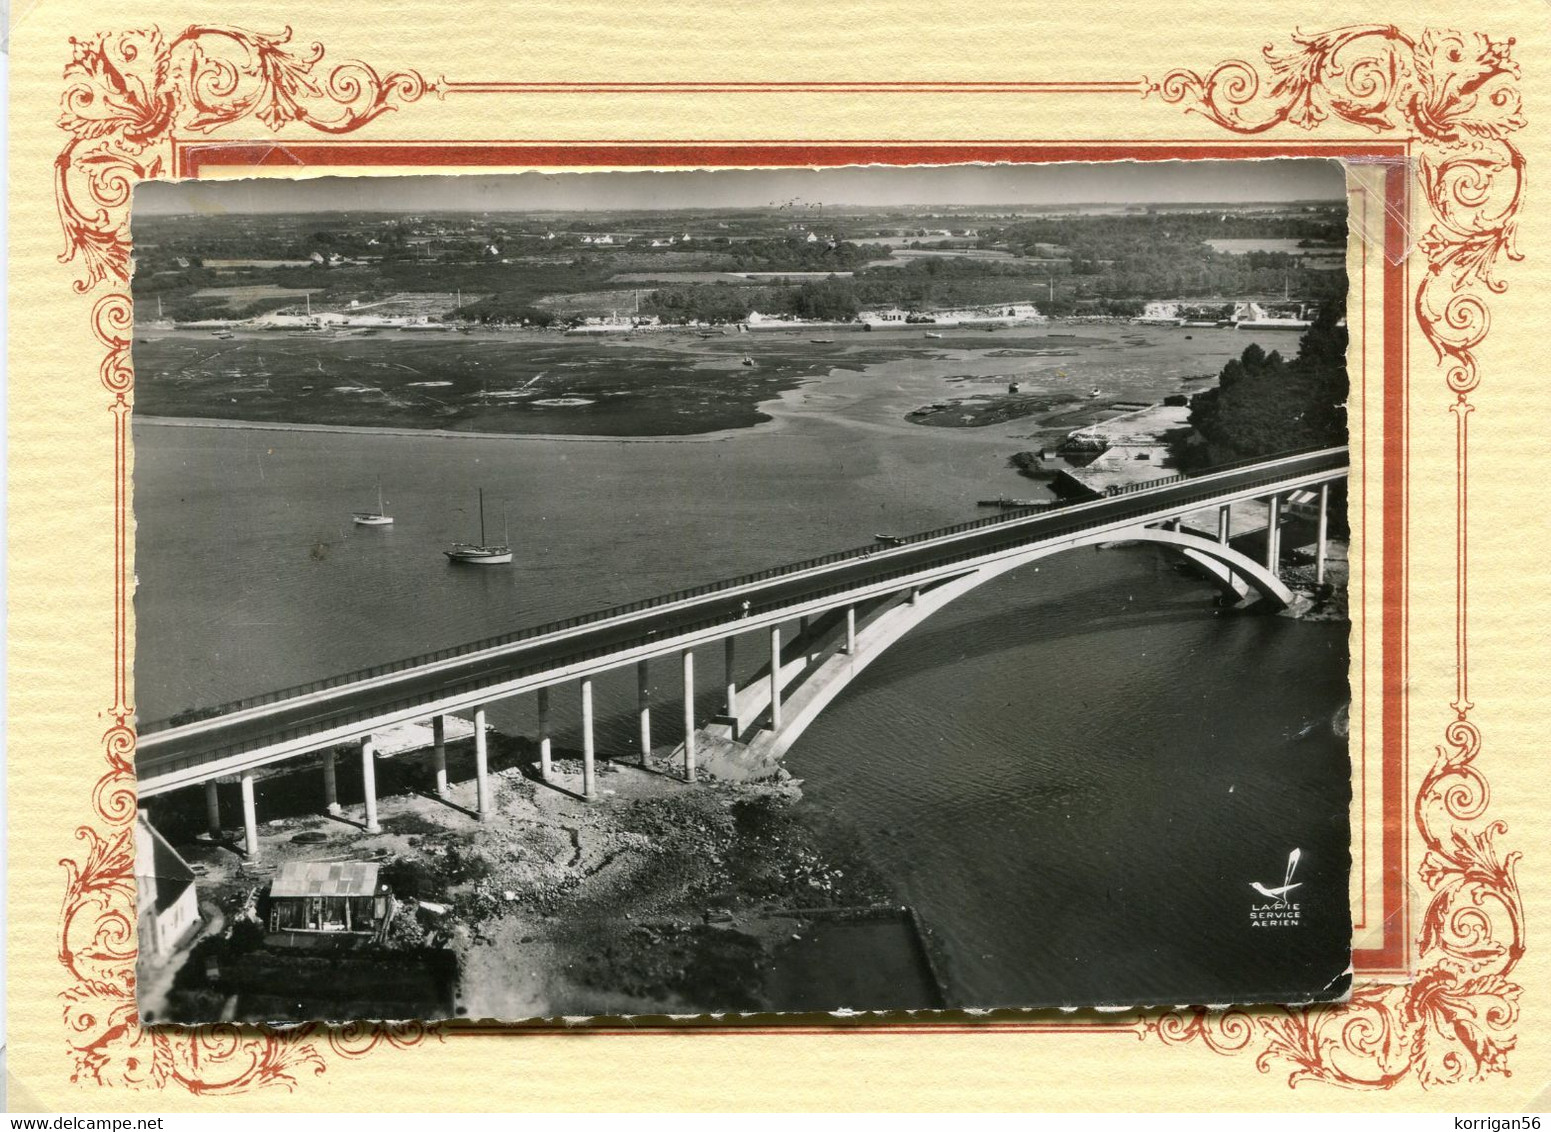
pixel 689 715
pixel 481 765
pixel 589 771
pixel 439 753
pixel 330 783
pixel 546 750
pixel 250 844
pixel 1175 523
pixel 730 657
pixel 1224 523
pixel 775 679
pixel 643 700
pixel 1273 523
pixel 213 809
pixel 1324 531
pixel 369 783
pixel 850 630
pixel 915 594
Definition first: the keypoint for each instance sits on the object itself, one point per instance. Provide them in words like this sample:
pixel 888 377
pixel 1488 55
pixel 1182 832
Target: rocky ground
pixel 661 897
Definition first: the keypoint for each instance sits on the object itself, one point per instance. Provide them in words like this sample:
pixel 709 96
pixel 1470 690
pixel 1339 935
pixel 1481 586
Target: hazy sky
pixel 1120 182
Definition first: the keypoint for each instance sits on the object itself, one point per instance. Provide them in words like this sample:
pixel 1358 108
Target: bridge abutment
pixel 481 765
pixel 330 783
pixel 546 754
pixel 1322 537
pixel 1274 534
pixel 250 841
pixel 439 753
pixel 213 809
pixel 775 679
pixel 643 699
pixel 589 753
pixel 369 783
pixel 689 715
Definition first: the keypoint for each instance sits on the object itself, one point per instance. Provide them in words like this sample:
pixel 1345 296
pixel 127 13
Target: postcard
pixel 766 552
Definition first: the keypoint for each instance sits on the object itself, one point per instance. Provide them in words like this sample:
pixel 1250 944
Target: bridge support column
pixel 213 809
pixel 546 751
pixel 775 679
pixel 369 783
pixel 850 630
pixel 330 783
pixel 1324 532
pixel 589 771
pixel 481 765
pixel 1273 533
pixel 689 715
pixel 250 844
pixel 730 659
pixel 915 594
pixel 1224 522
pixel 439 753
pixel 643 701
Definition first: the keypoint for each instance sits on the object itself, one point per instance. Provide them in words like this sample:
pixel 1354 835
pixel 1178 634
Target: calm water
pixel 1074 773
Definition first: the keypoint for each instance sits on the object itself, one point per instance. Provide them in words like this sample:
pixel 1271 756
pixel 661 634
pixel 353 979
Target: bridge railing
pixel 1013 517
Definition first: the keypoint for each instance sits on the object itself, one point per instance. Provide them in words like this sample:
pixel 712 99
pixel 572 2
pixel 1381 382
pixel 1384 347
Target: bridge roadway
pixel 612 633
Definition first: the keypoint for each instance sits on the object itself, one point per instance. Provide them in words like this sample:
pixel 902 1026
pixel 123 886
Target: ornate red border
pixel 1451 96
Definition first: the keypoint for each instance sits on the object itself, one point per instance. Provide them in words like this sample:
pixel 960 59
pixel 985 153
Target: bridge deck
pixel 747 602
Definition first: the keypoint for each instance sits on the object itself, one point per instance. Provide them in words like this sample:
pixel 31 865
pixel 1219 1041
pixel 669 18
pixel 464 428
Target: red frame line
pixel 1139 87
pixel 193 158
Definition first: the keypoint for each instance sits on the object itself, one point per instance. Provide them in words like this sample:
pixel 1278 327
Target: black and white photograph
pixel 741 592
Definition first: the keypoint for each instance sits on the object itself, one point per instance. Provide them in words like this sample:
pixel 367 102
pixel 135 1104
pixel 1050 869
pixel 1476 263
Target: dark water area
pixel 1073 774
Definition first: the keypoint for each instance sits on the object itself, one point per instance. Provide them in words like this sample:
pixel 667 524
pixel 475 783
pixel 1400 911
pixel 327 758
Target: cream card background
pixel 73 1042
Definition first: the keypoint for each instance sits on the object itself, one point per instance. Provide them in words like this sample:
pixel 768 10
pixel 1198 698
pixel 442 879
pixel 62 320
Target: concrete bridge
pixel 849 606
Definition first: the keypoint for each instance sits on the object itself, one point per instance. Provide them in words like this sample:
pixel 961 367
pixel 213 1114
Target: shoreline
pixel 443 433
pixel 660 897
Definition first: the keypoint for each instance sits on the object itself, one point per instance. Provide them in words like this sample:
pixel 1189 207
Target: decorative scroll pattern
pixel 1456 95
pixel 126 95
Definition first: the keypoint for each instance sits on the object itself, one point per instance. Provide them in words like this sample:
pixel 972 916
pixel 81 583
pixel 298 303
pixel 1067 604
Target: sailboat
pixel 481 553
pixel 377 518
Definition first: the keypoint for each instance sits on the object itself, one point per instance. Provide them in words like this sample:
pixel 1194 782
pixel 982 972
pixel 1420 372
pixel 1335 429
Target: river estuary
pixel 1073 774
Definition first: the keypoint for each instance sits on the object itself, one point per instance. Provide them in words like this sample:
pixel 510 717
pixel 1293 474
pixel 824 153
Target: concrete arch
pixel 810 689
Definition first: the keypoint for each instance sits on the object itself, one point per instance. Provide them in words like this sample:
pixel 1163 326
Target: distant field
pixel 678 277
pixel 236 298
pixel 665 384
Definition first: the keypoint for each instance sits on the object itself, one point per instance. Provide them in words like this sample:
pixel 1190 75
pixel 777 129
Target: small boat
pixel 480 553
pixel 821 341
pixel 1097 392
pixel 224 334
pixel 931 335
pixel 377 518
pixel 748 361
pixel 890 540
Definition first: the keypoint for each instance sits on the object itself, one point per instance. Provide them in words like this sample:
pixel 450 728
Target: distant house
pixel 309 899
pixel 167 902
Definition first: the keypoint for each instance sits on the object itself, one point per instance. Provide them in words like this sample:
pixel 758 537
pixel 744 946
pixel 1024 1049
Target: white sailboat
pixel 377 518
pixel 481 553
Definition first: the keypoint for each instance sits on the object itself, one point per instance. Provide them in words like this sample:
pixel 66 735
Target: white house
pixel 168 905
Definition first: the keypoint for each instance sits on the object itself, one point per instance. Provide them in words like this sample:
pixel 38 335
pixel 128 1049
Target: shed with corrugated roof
pixel 328 898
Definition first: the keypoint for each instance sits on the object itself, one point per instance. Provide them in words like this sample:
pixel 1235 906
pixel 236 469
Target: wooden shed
pixel 333 899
